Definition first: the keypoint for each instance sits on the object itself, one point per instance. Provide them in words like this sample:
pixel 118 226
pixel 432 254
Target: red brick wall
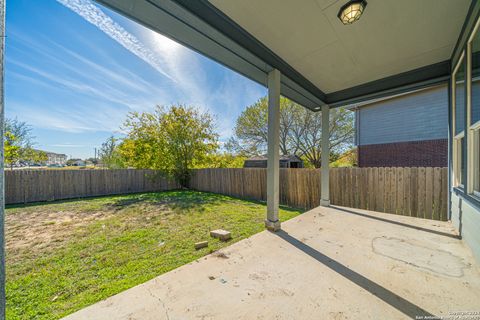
pixel 429 153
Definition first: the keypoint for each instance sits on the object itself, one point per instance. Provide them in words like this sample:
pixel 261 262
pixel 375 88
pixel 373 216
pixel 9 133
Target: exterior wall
pixel 255 164
pixel 466 219
pixel 418 116
pixel 431 153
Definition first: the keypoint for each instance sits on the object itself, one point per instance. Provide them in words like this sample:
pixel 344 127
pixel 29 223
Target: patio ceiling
pixel 396 45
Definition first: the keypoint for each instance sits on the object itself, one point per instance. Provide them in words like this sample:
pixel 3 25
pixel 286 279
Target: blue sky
pixel 74 69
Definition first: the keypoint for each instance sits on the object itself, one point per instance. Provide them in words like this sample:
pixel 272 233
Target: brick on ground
pixel 201 244
pixel 221 234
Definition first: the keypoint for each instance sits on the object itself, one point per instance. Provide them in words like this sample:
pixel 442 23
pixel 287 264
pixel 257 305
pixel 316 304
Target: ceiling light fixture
pixel 351 11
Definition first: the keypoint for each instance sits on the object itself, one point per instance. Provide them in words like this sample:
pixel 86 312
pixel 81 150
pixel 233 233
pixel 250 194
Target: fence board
pixel 400 191
pixel 413 192
pixel 406 191
pixel 421 188
pixel 428 193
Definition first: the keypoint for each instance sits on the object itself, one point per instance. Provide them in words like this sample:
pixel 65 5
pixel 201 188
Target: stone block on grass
pixel 221 234
pixel 201 244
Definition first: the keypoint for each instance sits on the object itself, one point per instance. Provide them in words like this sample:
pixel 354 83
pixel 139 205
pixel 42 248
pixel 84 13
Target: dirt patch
pixel 42 229
pixel 36 231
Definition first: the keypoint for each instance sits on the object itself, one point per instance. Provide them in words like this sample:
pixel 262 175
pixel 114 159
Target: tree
pixel 21 131
pixel 174 140
pixel 225 160
pixel 18 143
pixel 300 131
pixel 10 149
pixel 109 153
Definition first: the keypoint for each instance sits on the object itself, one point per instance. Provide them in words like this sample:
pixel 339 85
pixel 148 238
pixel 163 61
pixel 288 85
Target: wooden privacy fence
pixel 23 186
pixel 417 192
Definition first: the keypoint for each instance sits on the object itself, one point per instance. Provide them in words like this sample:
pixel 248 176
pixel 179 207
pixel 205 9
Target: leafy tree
pixel 175 140
pixel 225 160
pixel 347 159
pixel 10 149
pixel 18 143
pixel 300 131
pixel 32 155
pixel 109 153
pixel 21 131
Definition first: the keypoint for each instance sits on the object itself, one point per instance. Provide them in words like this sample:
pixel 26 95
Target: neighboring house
pixel 407 130
pixel 79 163
pixel 286 161
pixel 54 158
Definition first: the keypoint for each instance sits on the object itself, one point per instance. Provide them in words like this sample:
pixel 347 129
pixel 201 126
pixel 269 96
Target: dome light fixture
pixel 351 11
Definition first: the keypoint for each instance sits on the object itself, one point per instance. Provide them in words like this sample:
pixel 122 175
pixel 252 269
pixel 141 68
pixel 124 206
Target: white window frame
pixel 457 139
pixel 473 130
pixel 475 137
pixel 457 160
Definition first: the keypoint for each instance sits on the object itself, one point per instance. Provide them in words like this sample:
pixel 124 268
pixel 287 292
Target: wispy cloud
pixel 107 93
pixel 77 118
pixel 67 145
pixel 87 69
pixel 172 60
pixel 93 14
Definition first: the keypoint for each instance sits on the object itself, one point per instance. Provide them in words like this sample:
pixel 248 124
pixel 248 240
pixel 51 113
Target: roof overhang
pixel 396 47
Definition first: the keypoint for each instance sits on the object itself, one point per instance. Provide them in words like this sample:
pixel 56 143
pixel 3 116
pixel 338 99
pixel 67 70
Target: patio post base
pixel 324 203
pixel 273 225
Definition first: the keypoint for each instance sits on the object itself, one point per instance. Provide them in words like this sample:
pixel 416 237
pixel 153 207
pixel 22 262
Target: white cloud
pixel 67 145
pixel 75 119
pixel 93 14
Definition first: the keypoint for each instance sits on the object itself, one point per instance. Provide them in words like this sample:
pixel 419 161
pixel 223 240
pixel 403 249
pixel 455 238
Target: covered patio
pixel 329 263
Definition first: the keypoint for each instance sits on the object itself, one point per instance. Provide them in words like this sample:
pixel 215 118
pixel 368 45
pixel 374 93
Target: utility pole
pixel 95 157
pixel 2 168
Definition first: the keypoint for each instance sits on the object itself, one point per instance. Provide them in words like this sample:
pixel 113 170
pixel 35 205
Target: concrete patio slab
pixel 329 263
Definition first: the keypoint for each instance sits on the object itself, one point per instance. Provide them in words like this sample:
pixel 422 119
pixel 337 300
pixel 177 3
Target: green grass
pixel 63 256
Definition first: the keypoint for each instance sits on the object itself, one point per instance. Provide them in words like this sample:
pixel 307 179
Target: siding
pixel 418 116
pixel 466 219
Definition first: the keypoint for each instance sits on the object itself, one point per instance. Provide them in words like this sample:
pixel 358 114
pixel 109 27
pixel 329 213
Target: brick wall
pixel 428 153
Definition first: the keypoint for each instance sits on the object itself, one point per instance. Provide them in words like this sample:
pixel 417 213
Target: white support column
pixel 325 173
pixel 272 222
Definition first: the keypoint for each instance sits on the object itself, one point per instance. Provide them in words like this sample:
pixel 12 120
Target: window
pixel 458 104
pixel 473 118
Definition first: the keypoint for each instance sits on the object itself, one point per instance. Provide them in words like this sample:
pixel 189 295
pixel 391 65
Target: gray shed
pixel 286 161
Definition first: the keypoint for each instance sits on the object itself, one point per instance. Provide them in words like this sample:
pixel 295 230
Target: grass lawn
pixel 65 255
